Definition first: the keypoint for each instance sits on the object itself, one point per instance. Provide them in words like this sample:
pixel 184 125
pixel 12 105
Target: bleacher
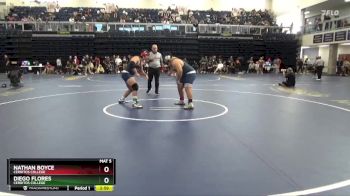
pixel 253 17
pixel 44 45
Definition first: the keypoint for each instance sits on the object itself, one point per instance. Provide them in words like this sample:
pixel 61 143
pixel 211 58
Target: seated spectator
pixel 260 65
pixel 237 65
pixel 290 79
pixel 100 69
pixel 86 65
pixel 107 65
pixel 268 65
pixel 76 70
pixel 49 69
pixel 91 65
pixel 170 15
pixel 219 67
pixel 97 62
pixel 251 65
pixel 69 65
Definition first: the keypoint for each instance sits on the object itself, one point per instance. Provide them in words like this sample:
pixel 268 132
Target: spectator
pixel 260 65
pixel 251 65
pixel 346 67
pixel 118 63
pixel 91 65
pixel 319 65
pixel 59 65
pixel 76 61
pixel 107 65
pixel 99 68
pixel 76 66
pixel 277 64
pixel 237 65
pixel 70 65
pixel 49 69
pixel 290 79
pixel 86 65
pixel 97 62
pixel 6 63
pixel 340 65
pixel 219 67
pixel 170 15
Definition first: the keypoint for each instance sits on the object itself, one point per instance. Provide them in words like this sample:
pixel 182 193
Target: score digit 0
pixel 106 169
pixel 106 180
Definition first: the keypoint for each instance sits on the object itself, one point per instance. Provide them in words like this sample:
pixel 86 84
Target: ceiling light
pixel 308 12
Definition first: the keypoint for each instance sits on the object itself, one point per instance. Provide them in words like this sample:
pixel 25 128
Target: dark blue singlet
pixel 129 71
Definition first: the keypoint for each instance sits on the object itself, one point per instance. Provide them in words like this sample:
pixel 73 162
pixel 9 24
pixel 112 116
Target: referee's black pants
pixel 156 73
pixel 319 71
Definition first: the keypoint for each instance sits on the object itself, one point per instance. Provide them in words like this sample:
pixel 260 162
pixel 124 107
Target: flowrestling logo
pixel 330 12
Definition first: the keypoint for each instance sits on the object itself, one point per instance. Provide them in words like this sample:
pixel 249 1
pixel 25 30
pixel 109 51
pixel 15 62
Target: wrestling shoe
pixel 189 106
pixel 137 106
pixel 121 101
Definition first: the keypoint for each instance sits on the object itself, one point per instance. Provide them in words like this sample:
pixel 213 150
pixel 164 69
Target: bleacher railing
pixel 129 27
pixel 327 25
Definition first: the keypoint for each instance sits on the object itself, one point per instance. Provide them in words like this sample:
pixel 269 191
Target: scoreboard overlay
pixel 61 174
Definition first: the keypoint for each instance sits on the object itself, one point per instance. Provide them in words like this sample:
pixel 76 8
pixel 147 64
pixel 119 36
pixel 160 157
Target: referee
pixel 155 61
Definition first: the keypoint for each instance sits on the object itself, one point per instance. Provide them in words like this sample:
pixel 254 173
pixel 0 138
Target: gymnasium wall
pixel 288 12
pixel 343 49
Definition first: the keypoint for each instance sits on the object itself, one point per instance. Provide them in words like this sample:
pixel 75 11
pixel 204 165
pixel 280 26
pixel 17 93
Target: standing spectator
pixel 306 65
pixel 155 61
pixel 277 64
pixel 340 65
pixel 69 66
pixel 300 65
pixel 6 62
pixel 85 63
pixel 76 64
pixel 319 65
pixel 113 64
pixel 59 65
pixel 118 64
